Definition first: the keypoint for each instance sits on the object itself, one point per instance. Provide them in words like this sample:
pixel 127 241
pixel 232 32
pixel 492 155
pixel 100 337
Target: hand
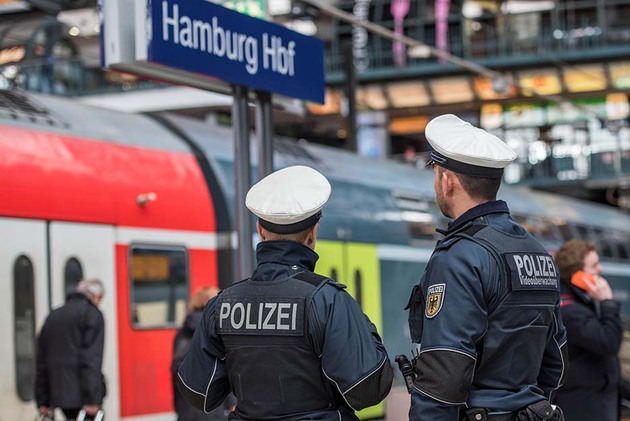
pixel 45 411
pixel 599 289
pixel 91 410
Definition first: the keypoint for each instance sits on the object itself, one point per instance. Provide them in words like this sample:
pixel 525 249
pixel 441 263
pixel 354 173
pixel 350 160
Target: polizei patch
pixel 532 271
pixel 435 299
pixel 261 316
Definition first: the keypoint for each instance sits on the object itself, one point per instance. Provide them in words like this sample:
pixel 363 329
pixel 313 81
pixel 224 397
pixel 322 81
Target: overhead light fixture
pixel 513 7
pixel 303 26
pixel 419 51
pixel 278 7
pixel 472 10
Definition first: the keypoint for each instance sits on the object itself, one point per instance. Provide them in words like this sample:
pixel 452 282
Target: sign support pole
pixel 351 97
pixel 264 133
pixel 242 179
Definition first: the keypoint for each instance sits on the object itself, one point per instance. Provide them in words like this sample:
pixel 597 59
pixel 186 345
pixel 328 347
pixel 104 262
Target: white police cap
pixel 463 148
pixel 289 200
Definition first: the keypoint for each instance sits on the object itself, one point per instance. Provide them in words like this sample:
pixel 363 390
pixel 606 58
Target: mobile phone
pixel 579 277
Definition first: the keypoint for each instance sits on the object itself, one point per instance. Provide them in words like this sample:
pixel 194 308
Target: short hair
pixel 570 256
pixel 480 188
pixel 298 237
pixel 91 288
pixel 201 297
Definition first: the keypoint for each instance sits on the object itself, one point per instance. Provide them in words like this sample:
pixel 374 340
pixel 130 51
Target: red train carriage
pixel 138 216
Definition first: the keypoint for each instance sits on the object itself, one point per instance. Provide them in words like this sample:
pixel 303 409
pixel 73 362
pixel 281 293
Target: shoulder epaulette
pixel 316 279
pixel 234 284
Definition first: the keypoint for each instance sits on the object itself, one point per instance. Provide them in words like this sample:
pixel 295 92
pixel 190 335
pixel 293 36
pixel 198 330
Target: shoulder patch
pixel 435 300
pixel 532 271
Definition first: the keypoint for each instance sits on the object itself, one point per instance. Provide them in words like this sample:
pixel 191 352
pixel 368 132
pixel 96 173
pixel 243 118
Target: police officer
pixel 289 343
pixel 486 312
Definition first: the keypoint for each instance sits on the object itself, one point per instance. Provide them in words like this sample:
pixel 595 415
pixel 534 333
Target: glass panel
pixel 540 81
pixel 72 274
pixel 159 285
pixel 408 94
pixel 24 327
pixel 372 97
pixel 451 89
pixel 585 78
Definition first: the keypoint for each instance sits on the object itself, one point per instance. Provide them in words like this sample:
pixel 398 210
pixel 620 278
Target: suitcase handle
pixel 97 417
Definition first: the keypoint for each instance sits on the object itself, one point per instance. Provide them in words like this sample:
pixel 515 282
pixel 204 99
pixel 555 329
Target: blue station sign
pixel 210 40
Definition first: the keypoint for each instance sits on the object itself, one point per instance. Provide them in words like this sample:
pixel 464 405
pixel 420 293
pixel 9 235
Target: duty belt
pixel 480 414
pixel 539 411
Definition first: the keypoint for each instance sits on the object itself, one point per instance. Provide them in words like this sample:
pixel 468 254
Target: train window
pixel 543 229
pixel 565 231
pixel 603 244
pixel 24 327
pixel 583 232
pixel 418 214
pixel 618 242
pixel 72 274
pixel 159 285
pixel 623 251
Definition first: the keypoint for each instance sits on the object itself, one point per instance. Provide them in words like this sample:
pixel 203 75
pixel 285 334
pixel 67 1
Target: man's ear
pixel 261 231
pixel 312 236
pixel 449 180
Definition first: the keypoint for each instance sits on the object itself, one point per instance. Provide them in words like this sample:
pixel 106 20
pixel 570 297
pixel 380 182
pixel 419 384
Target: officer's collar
pixel 286 252
pixel 493 206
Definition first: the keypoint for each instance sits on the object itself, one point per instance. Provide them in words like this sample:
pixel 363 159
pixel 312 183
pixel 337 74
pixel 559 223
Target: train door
pixel 355 265
pixel 87 251
pixel 24 302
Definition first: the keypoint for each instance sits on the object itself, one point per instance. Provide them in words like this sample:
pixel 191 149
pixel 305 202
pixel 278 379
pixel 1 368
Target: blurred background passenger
pixel 594 328
pixel 186 412
pixel 70 355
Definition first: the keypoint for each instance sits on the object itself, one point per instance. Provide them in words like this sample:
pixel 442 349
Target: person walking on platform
pixel 70 355
pixel 595 332
pixel 486 312
pixel 290 343
pixel 181 344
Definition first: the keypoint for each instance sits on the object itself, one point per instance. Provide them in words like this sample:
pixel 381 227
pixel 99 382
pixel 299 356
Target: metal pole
pixel 242 178
pixel 264 133
pixel 351 96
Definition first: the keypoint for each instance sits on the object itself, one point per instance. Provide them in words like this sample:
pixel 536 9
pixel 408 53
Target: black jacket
pixel 70 356
pixel 595 331
pixel 181 344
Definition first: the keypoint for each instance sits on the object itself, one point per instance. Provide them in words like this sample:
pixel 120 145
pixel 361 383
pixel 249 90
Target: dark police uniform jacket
pixel 595 332
pixel 288 348
pixel 487 317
